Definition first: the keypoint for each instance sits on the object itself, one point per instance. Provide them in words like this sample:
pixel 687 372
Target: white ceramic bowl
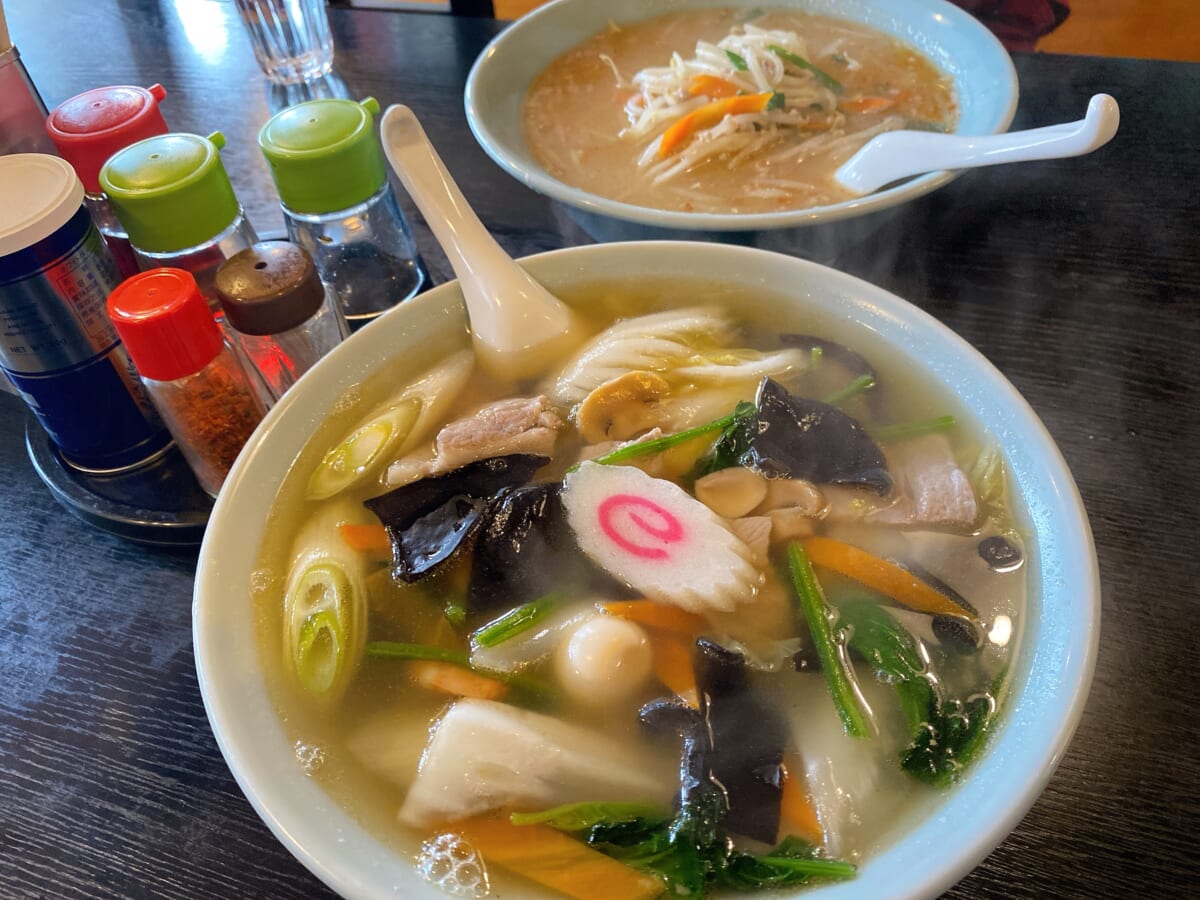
pixel 984 81
pixel 1061 627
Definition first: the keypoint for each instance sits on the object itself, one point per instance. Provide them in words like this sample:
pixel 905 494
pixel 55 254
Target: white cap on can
pixel 41 193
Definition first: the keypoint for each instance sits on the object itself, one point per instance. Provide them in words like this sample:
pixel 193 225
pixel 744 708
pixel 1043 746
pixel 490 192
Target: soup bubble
pixel 450 863
pixel 310 756
pixel 350 399
pixel 263 581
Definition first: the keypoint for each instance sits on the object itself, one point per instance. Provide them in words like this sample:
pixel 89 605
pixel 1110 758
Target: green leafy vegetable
pixel 738 61
pixel 853 389
pixel 583 816
pixel 800 62
pixel 946 733
pixel 515 621
pixel 455 612
pixel 729 446
pixel 777 101
pixel 837 672
pixel 926 125
pixel 906 430
pixel 658 445
pixel 534 689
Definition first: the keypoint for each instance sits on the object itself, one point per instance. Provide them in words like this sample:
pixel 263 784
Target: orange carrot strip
pixel 457 681
pixel 653 614
pixel 707 115
pixel 868 104
pixel 556 860
pixel 797 815
pixel 881 575
pixel 366 538
pixel 672 663
pixel 712 87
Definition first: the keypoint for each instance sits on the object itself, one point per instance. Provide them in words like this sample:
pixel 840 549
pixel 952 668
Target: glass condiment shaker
pixel 92 126
pixel 22 112
pixel 173 196
pixel 338 205
pixel 283 316
pixel 197 383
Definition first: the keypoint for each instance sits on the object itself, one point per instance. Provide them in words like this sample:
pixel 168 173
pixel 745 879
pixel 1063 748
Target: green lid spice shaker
pixel 338 205
pixel 174 198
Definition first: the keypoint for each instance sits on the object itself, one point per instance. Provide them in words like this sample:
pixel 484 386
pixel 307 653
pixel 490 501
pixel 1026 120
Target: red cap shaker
pixel 92 126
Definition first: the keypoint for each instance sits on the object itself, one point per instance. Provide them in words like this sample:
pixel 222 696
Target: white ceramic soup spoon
pixel 517 325
pixel 901 154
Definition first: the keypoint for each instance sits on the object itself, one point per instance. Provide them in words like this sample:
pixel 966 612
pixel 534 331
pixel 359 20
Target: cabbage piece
pixel 484 755
pixel 393 431
pixel 325 603
pixel 654 342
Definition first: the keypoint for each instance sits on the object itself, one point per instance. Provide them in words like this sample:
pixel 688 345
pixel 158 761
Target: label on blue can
pixel 61 352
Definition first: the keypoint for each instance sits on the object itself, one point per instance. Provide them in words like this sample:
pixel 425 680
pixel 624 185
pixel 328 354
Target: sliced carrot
pixel 672 663
pixel 797 815
pixel 886 577
pixel 556 860
pixel 653 614
pixel 366 538
pixel 457 681
pixel 868 104
pixel 708 115
pixel 712 87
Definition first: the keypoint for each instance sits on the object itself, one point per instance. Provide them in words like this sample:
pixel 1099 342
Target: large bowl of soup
pixel 713 116
pixel 771 582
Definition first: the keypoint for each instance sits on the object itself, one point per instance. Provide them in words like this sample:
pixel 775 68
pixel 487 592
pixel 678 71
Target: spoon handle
pixel 514 320
pixel 901 154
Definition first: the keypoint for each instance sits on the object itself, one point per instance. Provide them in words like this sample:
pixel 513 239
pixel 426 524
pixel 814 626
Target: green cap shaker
pixel 338 205
pixel 173 197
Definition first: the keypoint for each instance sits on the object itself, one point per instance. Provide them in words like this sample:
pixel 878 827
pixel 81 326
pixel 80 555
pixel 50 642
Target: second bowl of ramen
pixel 728 116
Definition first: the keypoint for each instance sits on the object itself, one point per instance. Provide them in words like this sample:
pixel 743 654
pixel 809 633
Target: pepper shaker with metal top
pixel 283 316
pixel 199 386
pixel 92 126
pixel 338 205
pixel 175 200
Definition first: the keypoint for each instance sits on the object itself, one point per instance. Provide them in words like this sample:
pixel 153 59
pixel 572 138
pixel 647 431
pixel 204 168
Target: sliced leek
pixel 392 432
pixel 325 603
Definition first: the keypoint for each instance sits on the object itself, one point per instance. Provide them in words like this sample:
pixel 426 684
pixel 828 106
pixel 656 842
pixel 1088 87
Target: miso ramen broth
pixel 641 565
pixel 713 111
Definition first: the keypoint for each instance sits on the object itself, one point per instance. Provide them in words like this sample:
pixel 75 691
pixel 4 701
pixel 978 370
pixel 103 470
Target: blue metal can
pixel 57 345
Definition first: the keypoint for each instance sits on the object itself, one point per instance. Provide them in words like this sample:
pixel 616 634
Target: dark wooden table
pixel 1080 279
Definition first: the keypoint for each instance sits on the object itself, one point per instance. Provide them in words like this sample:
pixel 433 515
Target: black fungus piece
pixel 853 362
pixel 673 716
pixel 748 741
pixel 999 553
pixel 526 549
pixel 953 632
pixel 801 438
pixel 430 519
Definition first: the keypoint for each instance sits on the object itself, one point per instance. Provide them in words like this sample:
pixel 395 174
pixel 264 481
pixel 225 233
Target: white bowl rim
pixel 1042 710
pixel 544 183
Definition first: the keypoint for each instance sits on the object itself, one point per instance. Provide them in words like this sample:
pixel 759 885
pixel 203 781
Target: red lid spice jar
pixel 192 375
pixel 91 127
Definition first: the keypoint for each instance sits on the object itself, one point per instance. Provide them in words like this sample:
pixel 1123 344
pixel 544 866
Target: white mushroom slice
pixel 659 540
pixel 621 408
pixel 731 492
pixel 792 493
pixel 790 523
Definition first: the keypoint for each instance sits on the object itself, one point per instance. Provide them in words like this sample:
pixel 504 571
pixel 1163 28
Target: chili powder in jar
pixel 193 377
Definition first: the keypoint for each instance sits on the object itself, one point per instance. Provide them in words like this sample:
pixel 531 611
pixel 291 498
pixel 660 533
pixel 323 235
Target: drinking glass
pixel 291 38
